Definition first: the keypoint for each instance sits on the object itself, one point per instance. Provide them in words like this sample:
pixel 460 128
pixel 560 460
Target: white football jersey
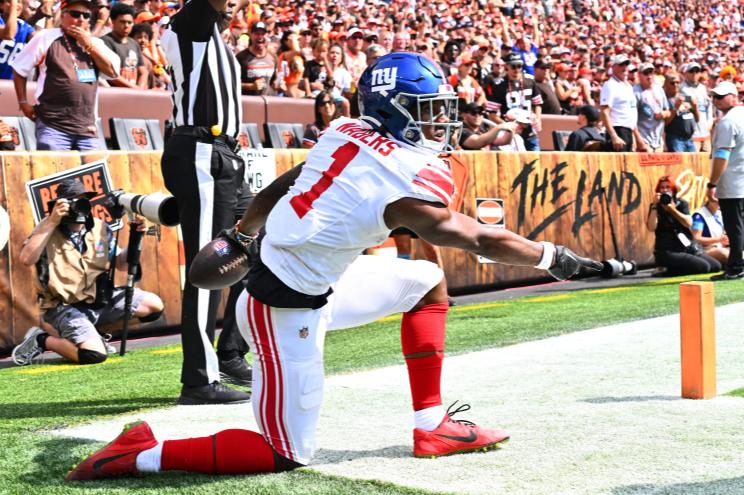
pixel 335 209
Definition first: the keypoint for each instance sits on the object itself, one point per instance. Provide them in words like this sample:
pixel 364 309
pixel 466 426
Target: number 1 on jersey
pixel 302 203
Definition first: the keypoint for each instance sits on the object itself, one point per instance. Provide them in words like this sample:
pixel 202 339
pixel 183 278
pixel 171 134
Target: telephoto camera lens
pixel 665 198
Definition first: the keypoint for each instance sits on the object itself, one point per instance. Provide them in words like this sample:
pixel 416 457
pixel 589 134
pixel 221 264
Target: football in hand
pixel 219 264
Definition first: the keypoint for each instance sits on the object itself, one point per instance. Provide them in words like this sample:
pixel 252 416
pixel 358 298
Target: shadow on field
pixel 722 486
pixel 84 408
pixel 631 398
pixel 330 456
pixel 57 455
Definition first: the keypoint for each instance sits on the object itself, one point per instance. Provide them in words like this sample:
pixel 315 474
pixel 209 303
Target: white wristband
pixel 546 261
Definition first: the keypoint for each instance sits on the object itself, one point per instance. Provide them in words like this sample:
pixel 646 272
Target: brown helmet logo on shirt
pixel 243 140
pixel 140 137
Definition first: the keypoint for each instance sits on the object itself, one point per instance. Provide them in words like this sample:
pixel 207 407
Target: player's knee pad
pixel 151 317
pixel 88 356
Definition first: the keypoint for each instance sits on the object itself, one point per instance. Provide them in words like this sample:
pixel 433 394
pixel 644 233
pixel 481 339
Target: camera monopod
pixel 134 273
pixel 617 265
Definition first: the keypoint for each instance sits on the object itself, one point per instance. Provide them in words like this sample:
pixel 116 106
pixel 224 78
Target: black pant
pixel 682 263
pixel 626 135
pixel 732 211
pixel 204 177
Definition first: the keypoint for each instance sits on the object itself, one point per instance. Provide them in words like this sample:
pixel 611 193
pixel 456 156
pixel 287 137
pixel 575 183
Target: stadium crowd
pixel 565 51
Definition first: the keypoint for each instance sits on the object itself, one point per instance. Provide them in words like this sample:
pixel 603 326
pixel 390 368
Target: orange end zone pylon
pixel 698 339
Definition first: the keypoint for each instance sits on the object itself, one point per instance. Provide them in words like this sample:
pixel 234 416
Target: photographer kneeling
pixel 72 252
pixel 669 217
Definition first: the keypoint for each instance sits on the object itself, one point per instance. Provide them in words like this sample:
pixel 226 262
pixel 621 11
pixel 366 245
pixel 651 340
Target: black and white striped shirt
pixel 205 73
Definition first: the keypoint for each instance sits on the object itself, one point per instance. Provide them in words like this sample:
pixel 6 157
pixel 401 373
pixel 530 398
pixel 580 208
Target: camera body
pixel 80 210
pixel 666 198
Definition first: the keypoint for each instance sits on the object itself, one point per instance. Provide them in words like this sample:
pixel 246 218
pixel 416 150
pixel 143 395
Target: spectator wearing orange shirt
pixel 467 88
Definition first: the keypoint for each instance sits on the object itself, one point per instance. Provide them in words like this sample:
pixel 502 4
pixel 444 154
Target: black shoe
pixel 728 276
pixel 236 371
pixel 214 393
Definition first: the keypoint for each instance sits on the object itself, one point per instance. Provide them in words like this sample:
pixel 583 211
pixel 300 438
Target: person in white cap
pixel 618 104
pixel 356 60
pixel 692 87
pixel 653 108
pixel 727 174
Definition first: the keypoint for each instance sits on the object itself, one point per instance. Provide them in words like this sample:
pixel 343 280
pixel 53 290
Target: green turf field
pixel 38 398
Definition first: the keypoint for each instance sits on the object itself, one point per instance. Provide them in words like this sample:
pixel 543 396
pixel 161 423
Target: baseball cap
pixel 692 66
pixel 71 188
pixel 620 60
pixel 646 66
pixel 67 3
pixel 724 88
pixel 562 67
pixel 513 59
pixel 146 16
pixel 588 111
pixel 465 59
pixel 542 64
pixel 472 107
pixel 728 70
pixel 351 32
pixel 519 115
pixel 258 26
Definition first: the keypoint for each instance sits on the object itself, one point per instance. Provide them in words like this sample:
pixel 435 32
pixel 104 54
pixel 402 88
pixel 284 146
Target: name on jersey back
pixel 370 137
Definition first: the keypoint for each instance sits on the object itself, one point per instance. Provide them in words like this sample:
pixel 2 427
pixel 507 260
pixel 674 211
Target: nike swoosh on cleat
pixel 101 462
pixel 468 439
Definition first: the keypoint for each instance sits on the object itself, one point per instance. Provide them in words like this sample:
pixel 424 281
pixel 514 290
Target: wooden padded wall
pixel 547 196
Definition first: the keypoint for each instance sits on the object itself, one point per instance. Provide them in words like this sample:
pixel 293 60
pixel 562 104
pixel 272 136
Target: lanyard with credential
pixel 83 75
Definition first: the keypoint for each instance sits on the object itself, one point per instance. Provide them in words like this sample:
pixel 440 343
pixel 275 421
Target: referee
pixel 202 170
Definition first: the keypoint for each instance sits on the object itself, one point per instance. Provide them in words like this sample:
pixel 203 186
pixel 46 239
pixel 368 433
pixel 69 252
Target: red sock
pixel 226 452
pixel 422 331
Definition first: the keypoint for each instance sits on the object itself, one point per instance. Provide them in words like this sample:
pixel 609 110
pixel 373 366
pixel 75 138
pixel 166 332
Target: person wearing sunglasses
pixel 69 61
pixel 727 174
pixel 325 112
pixel 653 108
pixel 517 92
pixel 692 86
pixel 477 135
pixel 680 125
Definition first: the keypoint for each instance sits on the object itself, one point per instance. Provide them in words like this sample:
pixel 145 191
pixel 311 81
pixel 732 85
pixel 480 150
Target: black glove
pixel 567 264
pixel 247 243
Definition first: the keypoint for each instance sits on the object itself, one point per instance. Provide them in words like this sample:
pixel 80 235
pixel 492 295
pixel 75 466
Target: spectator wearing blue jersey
pixel 707 229
pixel 14 34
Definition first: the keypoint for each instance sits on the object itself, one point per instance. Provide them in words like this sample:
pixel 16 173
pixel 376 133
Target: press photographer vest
pixel 72 274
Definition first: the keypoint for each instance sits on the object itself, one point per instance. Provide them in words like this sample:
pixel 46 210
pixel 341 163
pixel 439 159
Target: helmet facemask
pixel 432 120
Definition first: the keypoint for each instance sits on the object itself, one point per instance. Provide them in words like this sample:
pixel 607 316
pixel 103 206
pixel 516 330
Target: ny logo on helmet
pixel 384 79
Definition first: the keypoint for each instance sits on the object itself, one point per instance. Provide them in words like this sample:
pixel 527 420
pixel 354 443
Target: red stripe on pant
pixel 271 406
pixel 280 409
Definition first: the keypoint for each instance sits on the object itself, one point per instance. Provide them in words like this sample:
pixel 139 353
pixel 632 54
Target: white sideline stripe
pixel 592 412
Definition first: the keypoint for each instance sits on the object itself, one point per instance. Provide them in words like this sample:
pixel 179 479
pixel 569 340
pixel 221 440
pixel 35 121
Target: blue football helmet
pixel 406 96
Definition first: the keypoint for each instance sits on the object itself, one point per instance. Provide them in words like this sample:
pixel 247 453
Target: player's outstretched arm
pixel 444 227
pixel 255 215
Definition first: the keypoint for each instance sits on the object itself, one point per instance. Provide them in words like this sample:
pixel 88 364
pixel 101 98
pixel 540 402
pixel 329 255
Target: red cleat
pixel 456 437
pixel 118 458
